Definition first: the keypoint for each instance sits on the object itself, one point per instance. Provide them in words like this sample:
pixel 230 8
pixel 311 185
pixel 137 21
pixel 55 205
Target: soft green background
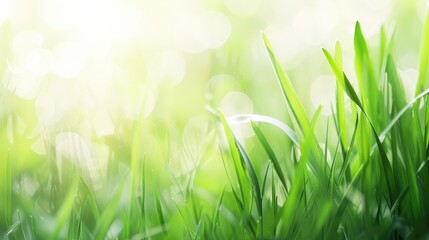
pixel 93 89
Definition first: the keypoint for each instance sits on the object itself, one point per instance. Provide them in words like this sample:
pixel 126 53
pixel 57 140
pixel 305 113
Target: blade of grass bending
pixel 239 165
pixel 387 169
pixel 108 215
pixel 400 114
pixel 270 154
pixel 342 79
pixel 247 118
pixel 241 160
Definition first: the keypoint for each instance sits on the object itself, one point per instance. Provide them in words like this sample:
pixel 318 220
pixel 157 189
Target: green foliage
pixel 375 185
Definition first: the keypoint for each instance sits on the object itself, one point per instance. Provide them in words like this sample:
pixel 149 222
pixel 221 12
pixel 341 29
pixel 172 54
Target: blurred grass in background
pixel 105 131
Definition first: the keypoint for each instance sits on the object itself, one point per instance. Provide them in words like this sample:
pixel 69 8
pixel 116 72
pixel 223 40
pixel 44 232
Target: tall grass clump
pixel 366 178
pixel 375 184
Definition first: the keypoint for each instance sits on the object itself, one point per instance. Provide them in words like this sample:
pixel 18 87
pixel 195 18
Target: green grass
pixel 374 185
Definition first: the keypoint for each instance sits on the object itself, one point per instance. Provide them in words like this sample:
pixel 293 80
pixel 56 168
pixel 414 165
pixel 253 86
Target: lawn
pixel 144 121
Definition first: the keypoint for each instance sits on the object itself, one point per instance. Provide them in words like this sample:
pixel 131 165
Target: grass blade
pixel 91 200
pixel 423 81
pixel 288 91
pixel 65 211
pixel 387 169
pixel 159 211
pixel 247 118
pixel 270 154
pixel 8 193
pixel 108 215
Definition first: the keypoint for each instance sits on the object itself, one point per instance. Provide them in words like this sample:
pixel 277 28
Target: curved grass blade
pixel 239 165
pixel 247 118
pixel 400 114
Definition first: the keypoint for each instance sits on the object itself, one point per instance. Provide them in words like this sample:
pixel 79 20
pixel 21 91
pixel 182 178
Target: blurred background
pixel 77 76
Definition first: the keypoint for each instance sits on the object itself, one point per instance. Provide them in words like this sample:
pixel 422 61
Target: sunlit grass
pixel 115 156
